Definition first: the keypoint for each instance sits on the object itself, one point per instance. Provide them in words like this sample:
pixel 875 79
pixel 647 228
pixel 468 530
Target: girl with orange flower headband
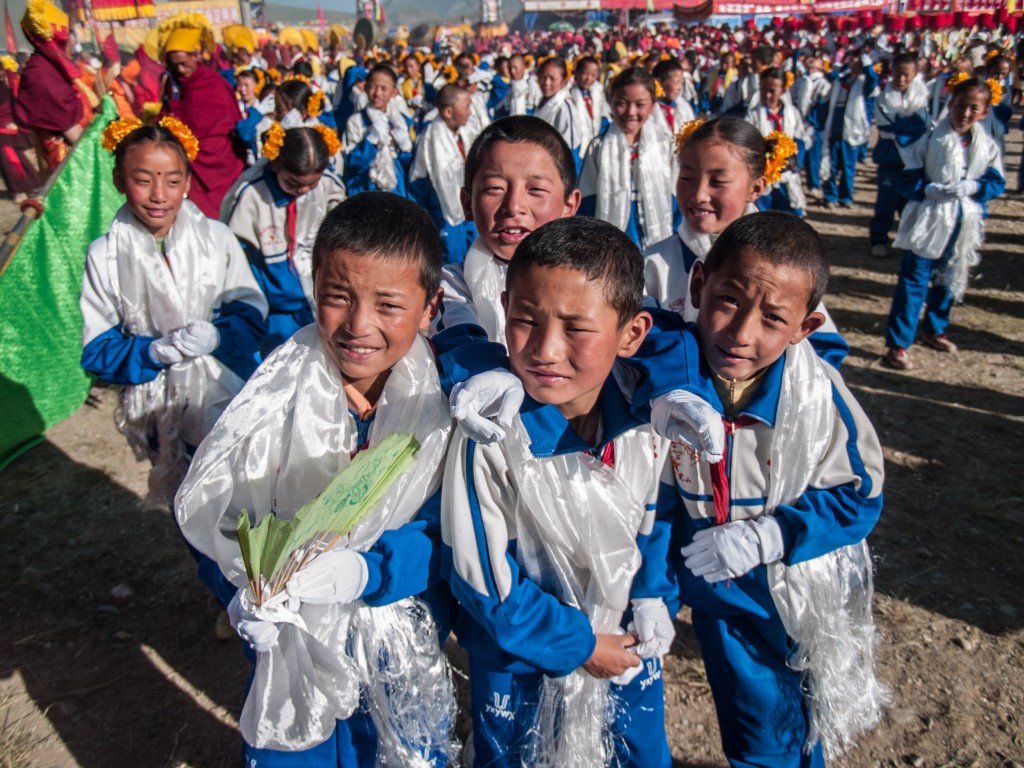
pixel 171 310
pixel 274 210
pixel 784 130
pixel 724 166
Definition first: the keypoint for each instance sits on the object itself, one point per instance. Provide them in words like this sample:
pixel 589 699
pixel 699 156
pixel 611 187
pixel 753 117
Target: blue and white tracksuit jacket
pixel 514 630
pixel 359 154
pixel 758 698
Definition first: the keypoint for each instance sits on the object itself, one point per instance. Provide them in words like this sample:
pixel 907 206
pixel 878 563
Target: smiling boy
pixel 361 373
pixel 551 535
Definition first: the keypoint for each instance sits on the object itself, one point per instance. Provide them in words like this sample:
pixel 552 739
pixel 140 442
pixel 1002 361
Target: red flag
pixel 12 43
pixel 320 19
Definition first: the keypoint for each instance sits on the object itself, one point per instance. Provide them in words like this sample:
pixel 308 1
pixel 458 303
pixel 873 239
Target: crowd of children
pixel 602 319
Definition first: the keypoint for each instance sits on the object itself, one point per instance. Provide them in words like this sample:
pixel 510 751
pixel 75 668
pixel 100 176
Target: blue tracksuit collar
pixel 281 198
pixel 765 402
pixel 551 435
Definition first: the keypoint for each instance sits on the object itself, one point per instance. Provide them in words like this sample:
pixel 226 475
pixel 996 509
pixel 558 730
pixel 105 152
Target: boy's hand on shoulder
pixel 686 418
pixel 734 549
pixel 337 576
pixel 612 657
pixel 484 405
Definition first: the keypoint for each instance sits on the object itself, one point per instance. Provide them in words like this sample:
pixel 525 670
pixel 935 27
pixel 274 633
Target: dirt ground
pixel 107 651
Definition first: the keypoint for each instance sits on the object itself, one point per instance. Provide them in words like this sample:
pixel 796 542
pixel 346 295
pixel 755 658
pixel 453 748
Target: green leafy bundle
pixel 275 549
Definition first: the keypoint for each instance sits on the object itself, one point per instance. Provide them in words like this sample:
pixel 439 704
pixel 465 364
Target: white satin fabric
pixel 182 403
pixel 824 603
pixel 485 276
pixel 439 160
pixel 856 128
pixel 792 126
pixel 654 181
pixel 285 437
pixel 927 225
pixel 560 112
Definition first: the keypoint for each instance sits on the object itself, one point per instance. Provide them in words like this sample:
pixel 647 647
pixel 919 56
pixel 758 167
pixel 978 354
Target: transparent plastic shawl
pixel 825 603
pixel 286 435
pixel 182 403
pixel 577 520
pixel 485 276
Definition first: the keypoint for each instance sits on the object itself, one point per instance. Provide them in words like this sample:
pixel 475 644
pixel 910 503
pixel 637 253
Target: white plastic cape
pixel 577 521
pixel 927 225
pixel 485 275
pixel 438 159
pixel 655 182
pixel 824 603
pixel 284 438
pixel 182 403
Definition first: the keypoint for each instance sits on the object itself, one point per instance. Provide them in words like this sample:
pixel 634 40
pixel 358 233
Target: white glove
pixel 401 137
pixel 163 352
pixel 631 672
pixel 260 634
pixel 965 188
pixel 686 418
pixel 731 550
pixel 379 125
pixel 292 119
pixel 865 59
pixel 337 576
pixel 478 400
pixel 653 627
pixel 935 191
pixel 196 339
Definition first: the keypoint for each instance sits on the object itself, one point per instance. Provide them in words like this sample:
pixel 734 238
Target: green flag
pixel 41 379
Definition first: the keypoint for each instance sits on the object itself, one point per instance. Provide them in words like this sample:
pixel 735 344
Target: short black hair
pixel 601 251
pixel 386 226
pixel 780 238
pixel 904 58
pixel 523 129
pixel 383 69
pixel 448 95
pixel 747 139
pixel 666 67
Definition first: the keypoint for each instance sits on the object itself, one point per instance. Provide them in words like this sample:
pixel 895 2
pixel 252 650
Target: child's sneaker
pixel 939 342
pixel 879 250
pixel 898 358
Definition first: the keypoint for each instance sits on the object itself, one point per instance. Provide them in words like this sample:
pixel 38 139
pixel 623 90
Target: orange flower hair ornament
pixel 954 80
pixel 684 133
pixel 789 80
pixel 300 78
pixel 273 140
pixel 315 105
pixel 450 74
pixel 330 139
pixel 996 88
pixel 780 148
pixel 117 130
pixel 659 91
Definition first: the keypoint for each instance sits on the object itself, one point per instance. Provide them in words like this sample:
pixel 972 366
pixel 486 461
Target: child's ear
pixel 696 284
pixel 430 310
pixel 119 180
pixel 572 204
pixel 504 302
pixel 467 203
pixel 188 184
pixel 810 324
pixel 757 189
pixel 633 333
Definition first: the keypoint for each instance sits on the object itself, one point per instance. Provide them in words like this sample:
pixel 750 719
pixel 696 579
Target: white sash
pixel 485 276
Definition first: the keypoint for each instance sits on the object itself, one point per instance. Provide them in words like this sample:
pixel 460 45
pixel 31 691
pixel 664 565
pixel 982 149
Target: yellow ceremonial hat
pixel 335 33
pixel 290 36
pixel 185 32
pixel 239 37
pixel 43 20
pixel 309 40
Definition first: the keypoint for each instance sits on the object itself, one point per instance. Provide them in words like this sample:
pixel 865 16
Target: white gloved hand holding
pixel 631 672
pixel 401 137
pixel 196 339
pixel 163 352
pixel 260 634
pixel 935 191
pixel 485 404
pixel 337 576
pixel 685 418
pixel 652 626
pixel 379 125
pixel 965 188
pixel 732 550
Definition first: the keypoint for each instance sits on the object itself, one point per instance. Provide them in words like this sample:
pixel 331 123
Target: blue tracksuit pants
pixel 813 160
pixel 912 293
pixel 505 705
pixel 888 202
pixel 843 158
pixel 352 745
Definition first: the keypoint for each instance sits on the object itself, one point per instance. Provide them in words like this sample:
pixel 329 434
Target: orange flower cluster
pixel 315 105
pixel 273 142
pixel 330 139
pixel 183 134
pixel 780 148
pixel 684 133
pixel 116 131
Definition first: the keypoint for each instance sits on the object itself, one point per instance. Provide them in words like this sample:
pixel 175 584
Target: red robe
pixel 207 105
pixel 47 100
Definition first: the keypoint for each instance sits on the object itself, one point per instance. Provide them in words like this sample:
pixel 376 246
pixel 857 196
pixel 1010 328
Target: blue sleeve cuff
pixel 242 327
pixel 120 359
pixel 463 351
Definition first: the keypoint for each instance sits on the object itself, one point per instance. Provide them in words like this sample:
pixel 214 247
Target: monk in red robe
pixel 204 101
pixel 17 164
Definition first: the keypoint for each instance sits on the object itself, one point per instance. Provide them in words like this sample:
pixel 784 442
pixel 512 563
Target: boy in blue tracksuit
pixel 552 536
pixel 848 125
pixel 378 140
pixel 783 516
pixel 901 115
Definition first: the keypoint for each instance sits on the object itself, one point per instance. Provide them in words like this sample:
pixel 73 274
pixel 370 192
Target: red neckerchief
pixel 719 471
pixel 588 100
pixel 289 229
pixel 774 119
pixel 669 115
